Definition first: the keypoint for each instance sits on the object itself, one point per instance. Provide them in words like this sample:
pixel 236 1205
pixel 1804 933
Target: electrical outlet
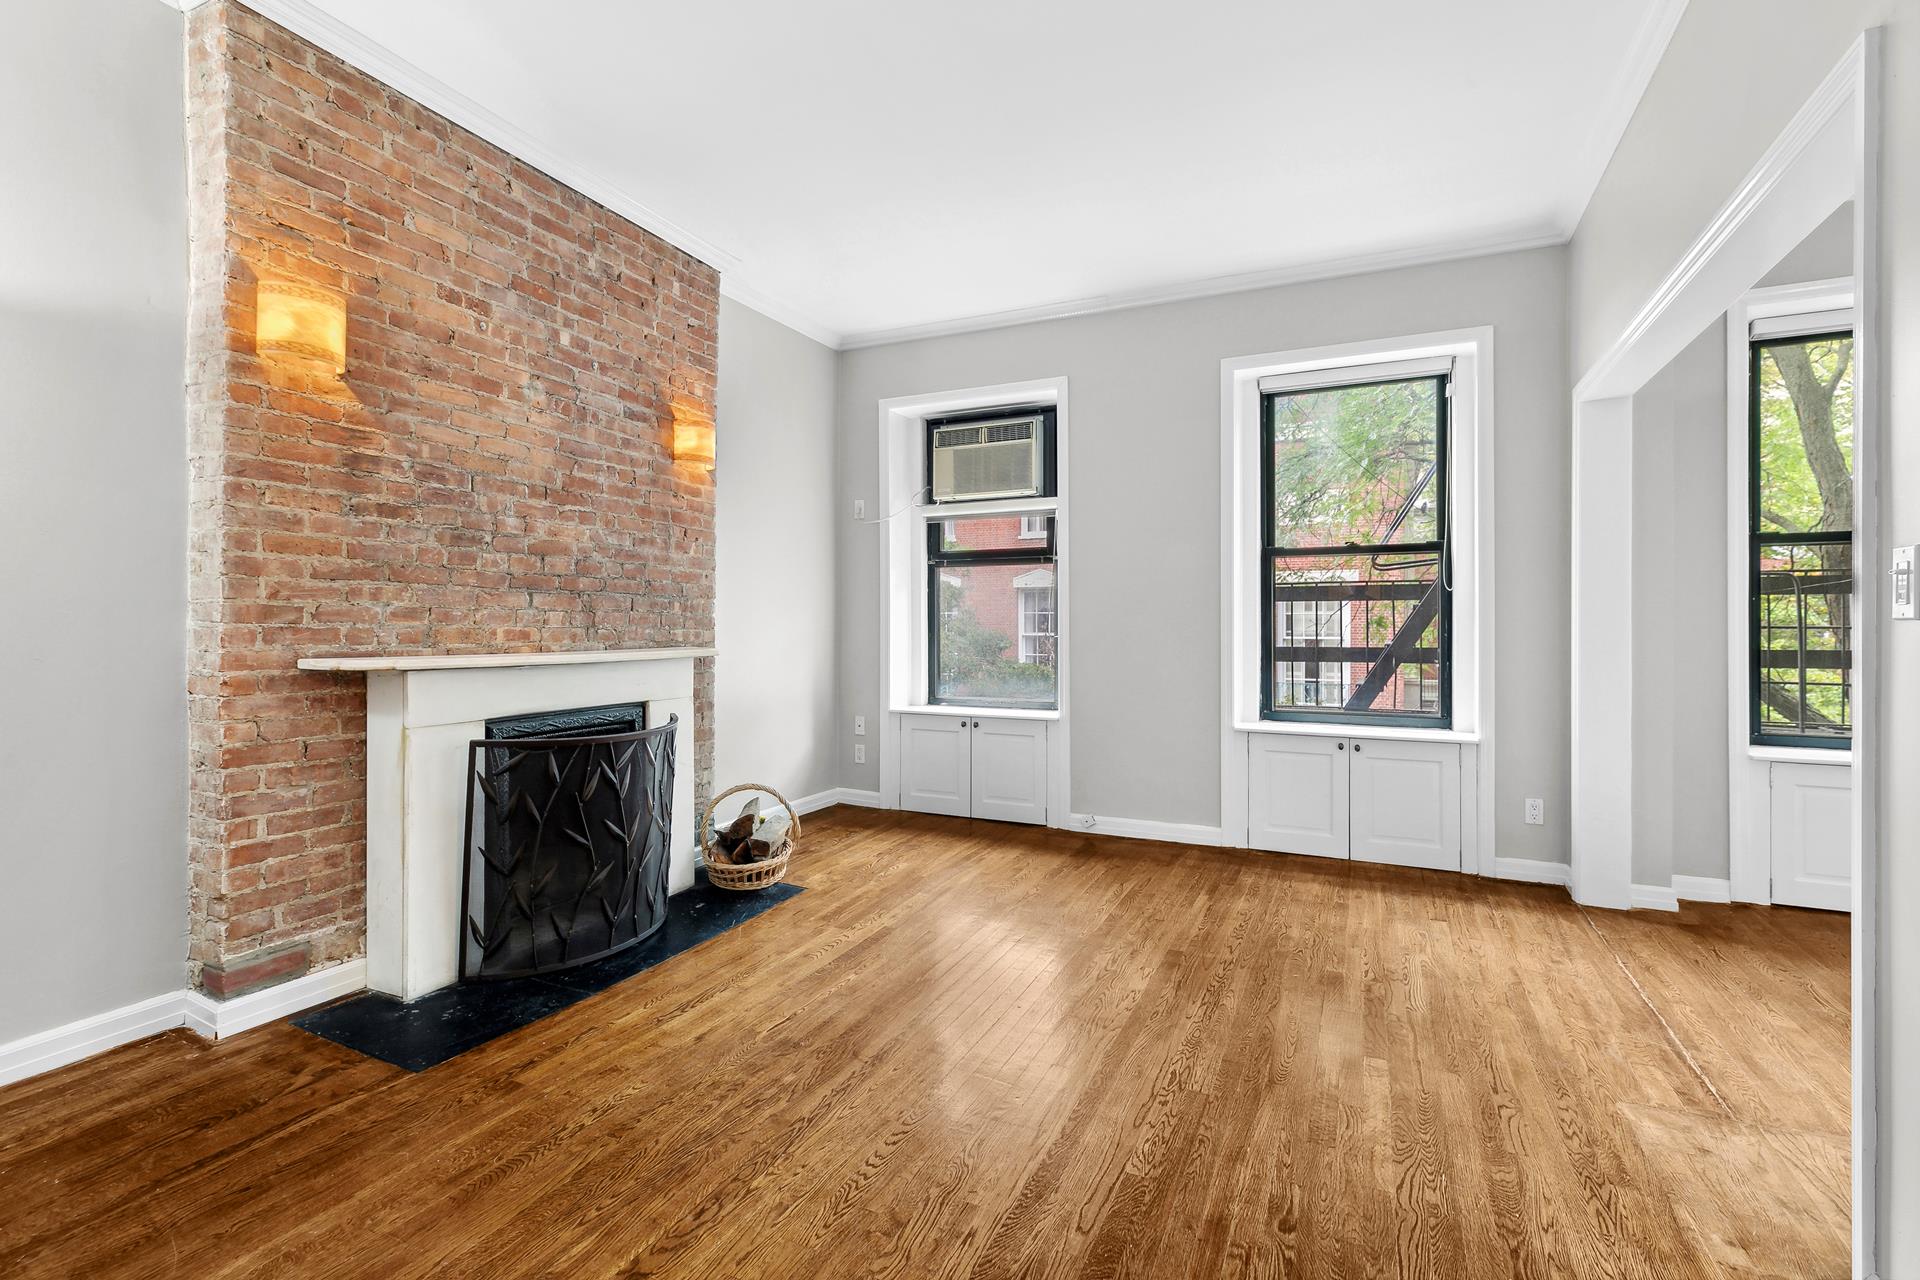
pixel 859 726
pixel 1536 813
pixel 859 753
pixel 859 508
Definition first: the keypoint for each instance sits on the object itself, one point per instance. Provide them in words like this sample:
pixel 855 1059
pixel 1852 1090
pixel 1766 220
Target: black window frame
pixel 1438 547
pixel 939 556
pixel 1758 540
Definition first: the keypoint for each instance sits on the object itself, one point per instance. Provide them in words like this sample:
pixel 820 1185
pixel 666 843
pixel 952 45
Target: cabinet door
pixel 935 765
pixel 1812 831
pixel 1297 794
pixel 1406 803
pixel 1010 770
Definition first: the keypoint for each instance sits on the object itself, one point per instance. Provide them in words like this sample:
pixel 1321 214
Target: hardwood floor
pixel 980 1050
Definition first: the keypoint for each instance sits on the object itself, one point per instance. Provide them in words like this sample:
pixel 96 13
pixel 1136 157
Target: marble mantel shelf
pixel 469 661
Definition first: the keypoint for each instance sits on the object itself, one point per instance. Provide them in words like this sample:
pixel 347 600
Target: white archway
pixel 1827 155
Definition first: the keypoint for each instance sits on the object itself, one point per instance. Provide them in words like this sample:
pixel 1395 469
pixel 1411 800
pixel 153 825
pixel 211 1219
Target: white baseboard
pixel 214 1019
pixel 218 1019
pixel 1143 829
pixel 837 795
pixel 1702 889
pixel 1531 870
pixel 45 1050
pixel 1654 897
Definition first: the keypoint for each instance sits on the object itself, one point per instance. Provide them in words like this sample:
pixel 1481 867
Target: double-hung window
pixel 992 620
pixel 1800 536
pixel 1354 575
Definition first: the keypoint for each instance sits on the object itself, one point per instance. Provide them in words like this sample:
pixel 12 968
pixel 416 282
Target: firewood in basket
pixel 767 840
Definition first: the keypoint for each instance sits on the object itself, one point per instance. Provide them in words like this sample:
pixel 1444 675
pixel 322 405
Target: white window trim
pixel 1470 456
pixel 903 541
pixel 1781 312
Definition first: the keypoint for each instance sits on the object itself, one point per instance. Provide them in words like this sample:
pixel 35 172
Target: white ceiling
pixel 863 167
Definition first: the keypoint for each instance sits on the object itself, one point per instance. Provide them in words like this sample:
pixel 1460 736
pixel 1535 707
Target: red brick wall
pixel 493 472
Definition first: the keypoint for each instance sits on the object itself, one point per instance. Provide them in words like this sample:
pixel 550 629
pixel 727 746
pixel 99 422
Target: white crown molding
pixel 184 6
pixel 375 59
pixel 1214 286
pixel 731 286
pixel 1619 104
pixel 214 1019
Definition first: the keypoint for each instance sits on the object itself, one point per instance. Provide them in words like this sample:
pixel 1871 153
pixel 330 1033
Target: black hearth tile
pixel 444 1025
pixel 436 1027
pixel 697 914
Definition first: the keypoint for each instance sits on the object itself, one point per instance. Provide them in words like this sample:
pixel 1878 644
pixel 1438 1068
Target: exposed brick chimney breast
pixel 492 473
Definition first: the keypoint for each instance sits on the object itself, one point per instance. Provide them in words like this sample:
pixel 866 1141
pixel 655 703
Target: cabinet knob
pixel 1356 748
pixel 1341 746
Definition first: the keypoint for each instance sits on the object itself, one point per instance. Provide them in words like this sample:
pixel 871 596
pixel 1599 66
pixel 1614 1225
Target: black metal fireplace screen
pixel 567 843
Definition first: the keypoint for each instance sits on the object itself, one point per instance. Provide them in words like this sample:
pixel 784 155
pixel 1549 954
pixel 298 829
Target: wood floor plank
pixel 974 1050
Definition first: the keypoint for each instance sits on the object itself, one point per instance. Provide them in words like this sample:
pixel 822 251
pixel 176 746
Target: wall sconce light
pixel 301 322
pixel 692 438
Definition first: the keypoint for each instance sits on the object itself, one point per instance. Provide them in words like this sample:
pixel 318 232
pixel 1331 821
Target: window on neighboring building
pixel 992 618
pixel 1036 616
pixel 1357 597
pixel 1800 527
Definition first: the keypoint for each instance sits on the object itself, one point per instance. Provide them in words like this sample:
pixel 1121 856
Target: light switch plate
pixel 860 753
pixel 859 726
pixel 1902 588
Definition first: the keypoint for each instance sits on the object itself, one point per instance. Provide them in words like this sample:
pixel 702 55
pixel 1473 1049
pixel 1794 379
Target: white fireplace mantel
pixel 423 711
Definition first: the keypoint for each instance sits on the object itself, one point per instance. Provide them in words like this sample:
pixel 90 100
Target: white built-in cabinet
pixel 974 766
pixel 1376 800
pixel 1811 829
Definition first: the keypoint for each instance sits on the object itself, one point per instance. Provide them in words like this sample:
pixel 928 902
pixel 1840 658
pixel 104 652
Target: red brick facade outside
pixel 493 472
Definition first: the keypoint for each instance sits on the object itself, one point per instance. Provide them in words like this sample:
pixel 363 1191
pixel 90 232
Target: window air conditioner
pixel 1002 458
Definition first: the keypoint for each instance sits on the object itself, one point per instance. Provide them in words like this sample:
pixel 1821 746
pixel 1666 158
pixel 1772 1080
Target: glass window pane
pixel 1804 392
pixel 995 533
pixel 1359 634
pixel 1805 639
pixel 1356 465
pixel 994 634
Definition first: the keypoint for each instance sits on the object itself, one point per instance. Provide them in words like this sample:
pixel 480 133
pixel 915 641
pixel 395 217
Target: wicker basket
pixel 751 875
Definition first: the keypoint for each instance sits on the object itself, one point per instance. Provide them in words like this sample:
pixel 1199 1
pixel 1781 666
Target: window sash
pixel 1760 733
pixel 1441 716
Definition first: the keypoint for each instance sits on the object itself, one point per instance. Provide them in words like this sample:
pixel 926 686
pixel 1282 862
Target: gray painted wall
pixel 1733 76
pixel 1680 617
pixel 774 712
pixel 93 513
pixel 1144 660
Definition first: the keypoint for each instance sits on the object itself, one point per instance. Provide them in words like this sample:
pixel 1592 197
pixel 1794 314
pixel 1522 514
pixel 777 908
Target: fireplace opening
pixel 568 831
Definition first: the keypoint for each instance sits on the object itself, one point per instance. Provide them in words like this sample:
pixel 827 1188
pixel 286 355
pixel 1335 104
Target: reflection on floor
pixel 973 1049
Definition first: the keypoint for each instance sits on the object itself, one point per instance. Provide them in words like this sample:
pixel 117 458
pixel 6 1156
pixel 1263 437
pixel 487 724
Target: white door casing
pixel 1812 828
pixel 1297 793
pixel 1010 770
pixel 1405 803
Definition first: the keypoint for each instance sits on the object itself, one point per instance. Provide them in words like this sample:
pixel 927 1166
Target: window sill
pixel 998 713
pixel 1395 733
pixel 1802 755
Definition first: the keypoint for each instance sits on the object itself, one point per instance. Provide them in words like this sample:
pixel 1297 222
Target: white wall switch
pixel 859 753
pixel 859 508
pixel 1903 586
pixel 1536 813
pixel 859 726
